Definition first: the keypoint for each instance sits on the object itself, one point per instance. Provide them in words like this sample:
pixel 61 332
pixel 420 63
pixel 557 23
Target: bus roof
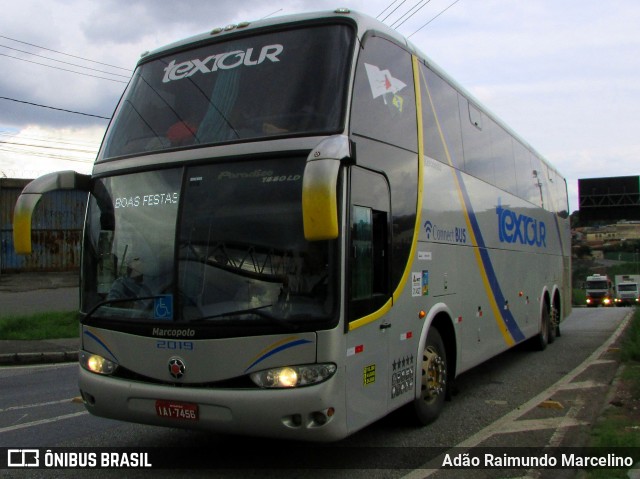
pixel 363 22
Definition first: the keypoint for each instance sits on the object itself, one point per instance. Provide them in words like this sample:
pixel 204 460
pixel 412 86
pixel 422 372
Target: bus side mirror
pixel 320 188
pixel 30 197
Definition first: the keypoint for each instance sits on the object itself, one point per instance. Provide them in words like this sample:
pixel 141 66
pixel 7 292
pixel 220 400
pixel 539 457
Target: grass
pixel 40 326
pixel 619 425
pixel 578 297
pixel 630 351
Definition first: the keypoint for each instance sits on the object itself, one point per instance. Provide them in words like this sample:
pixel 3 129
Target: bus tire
pixel 433 379
pixel 551 337
pixel 554 324
pixel 542 339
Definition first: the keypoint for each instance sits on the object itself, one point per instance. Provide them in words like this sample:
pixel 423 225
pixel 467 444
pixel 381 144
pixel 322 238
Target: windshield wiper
pixel 120 300
pixel 257 311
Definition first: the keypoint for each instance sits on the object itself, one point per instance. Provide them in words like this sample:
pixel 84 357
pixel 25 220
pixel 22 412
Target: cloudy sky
pixel 563 74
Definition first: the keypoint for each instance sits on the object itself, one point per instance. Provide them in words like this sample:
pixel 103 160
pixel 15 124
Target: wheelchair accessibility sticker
pixel 163 307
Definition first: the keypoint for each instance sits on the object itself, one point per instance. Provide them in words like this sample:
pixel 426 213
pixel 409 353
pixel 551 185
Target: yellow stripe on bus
pixel 416 231
pixel 474 242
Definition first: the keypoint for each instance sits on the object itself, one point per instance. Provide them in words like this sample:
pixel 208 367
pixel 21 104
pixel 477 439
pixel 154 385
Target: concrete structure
pixel 609 200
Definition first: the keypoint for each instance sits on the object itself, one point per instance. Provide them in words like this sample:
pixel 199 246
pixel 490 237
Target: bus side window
pixel 384 103
pixel 370 250
pixel 361 252
pixel 369 275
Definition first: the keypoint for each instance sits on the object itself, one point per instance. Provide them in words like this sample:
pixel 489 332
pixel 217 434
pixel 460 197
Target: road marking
pixel 40 404
pixel 540 424
pixel 549 404
pixel 18 367
pixel 509 420
pixel 590 383
pixel 43 421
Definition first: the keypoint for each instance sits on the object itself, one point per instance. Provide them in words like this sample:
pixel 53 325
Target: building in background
pixel 56 230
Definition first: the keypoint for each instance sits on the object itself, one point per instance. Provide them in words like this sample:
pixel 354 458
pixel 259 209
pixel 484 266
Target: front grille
pixel 241 382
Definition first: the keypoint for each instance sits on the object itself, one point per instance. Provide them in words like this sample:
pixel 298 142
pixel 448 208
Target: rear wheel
pixel 433 383
pixel 553 324
pixel 542 339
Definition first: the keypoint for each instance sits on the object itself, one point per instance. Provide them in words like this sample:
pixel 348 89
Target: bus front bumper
pixel 312 413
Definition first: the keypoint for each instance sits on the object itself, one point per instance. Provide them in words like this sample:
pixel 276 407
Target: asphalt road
pixel 520 398
pixel 40 301
pixel 28 293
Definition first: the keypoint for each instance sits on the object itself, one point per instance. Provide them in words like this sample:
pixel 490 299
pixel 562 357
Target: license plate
pixel 177 410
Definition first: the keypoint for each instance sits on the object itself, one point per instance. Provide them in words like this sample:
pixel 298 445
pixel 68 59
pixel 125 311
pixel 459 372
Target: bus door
pixel 368 297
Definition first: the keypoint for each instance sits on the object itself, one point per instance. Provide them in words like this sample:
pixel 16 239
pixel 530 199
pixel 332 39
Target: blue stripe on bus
pixel 100 342
pixel 277 350
pixel 506 314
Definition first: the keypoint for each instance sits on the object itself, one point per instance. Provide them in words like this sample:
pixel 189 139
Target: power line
pixel 66 54
pixel 11 143
pixel 455 1
pixel 393 25
pixel 63 69
pixel 47 139
pixel 47 155
pixel 394 10
pixel 387 8
pixel 60 61
pixel 53 108
pixel 272 13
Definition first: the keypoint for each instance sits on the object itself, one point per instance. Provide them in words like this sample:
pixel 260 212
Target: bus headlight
pixel 96 363
pixel 293 376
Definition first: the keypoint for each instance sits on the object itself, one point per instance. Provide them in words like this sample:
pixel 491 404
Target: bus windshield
pixel 212 251
pixel 276 84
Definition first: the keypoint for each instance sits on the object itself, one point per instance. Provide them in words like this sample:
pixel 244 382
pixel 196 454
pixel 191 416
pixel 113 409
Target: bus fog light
pixel 319 418
pixel 293 376
pixel 96 363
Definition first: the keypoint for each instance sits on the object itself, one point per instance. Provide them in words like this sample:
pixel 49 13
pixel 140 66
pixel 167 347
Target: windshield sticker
pixel 163 307
pixel 420 283
pixel 221 61
pixel 267 176
pixel 157 199
pixel 383 83
pixel 241 175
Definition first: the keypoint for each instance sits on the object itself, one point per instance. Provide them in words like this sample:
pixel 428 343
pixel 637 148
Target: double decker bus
pixel 300 224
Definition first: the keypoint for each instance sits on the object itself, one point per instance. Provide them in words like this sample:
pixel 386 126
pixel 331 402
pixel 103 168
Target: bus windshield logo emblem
pixel 222 61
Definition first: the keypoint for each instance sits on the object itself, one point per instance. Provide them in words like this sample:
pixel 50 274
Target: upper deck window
pixel 291 82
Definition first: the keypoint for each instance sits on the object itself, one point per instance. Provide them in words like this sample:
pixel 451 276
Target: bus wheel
pixel 433 384
pixel 554 324
pixel 542 339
